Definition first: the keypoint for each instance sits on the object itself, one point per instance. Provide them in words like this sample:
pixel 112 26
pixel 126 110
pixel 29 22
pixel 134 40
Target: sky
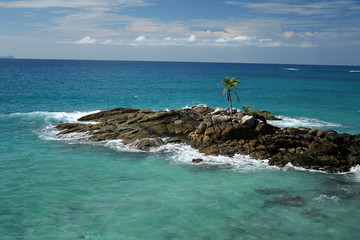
pixel 245 31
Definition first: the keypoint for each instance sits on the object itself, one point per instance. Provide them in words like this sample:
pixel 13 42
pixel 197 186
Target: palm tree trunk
pixel 230 102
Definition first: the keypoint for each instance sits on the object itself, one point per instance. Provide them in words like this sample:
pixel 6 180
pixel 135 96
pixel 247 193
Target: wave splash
pixel 303 122
pixel 48 121
pixel 183 154
pixel 291 69
pixel 57 117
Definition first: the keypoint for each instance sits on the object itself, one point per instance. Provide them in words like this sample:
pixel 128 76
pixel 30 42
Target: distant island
pixel 219 132
pixel 7 57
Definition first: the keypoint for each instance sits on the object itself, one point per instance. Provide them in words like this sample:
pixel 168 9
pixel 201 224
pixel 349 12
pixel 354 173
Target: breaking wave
pixel 183 154
pixel 303 122
pixel 57 117
pixel 356 172
pixel 291 69
pixel 48 121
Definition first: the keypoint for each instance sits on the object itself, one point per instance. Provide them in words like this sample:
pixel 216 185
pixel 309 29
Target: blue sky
pixel 257 31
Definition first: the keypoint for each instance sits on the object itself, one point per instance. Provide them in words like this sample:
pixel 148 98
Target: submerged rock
pixel 270 190
pixel 217 132
pixel 336 181
pixel 197 160
pixel 312 213
pixel 294 201
pixel 291 201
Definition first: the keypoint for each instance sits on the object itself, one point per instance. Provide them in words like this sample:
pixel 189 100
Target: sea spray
pixel 303 122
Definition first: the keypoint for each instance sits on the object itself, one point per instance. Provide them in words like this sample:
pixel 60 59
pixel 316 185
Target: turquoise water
pixel 53 188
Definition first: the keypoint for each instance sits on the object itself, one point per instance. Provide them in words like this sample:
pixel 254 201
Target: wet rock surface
pixel 197 160
pixel 217 132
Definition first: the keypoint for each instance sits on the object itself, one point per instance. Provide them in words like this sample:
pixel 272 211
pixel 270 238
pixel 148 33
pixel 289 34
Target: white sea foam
pixel 291 69
pixel 74 136
pixel 118 145
pixel 51 119
pixel 183 154
pixel 200 105
pixel 324 197
pixel 71 117
pixel 356 172
pixel 303 122
pixel 59 117
pixel 354 71
pixel 175 153
pixel 289 166
pixel 355 169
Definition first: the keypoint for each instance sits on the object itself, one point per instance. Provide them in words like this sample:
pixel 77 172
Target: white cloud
pixel 308 45
pixel 265 40
pixel 223 40
pixel 234 39
pixel 140 39
pixel 74 4
pixel 86 40
pixel 289 34
pixel 243 38
pixel 311 34
pixel 307 35
pixel 293 7
pixel 239 41
pixel 192 38
pixel 108 41
pixel 92 17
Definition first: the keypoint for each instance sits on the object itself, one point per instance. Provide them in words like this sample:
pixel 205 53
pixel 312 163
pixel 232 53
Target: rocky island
pixel 217 132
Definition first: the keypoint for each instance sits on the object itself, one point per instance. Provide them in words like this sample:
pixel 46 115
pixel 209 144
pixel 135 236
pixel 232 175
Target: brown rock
pixel 215 131
pixel 267 115
pixel 197 160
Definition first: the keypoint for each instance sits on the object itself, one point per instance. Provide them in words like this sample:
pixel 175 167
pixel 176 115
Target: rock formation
pixel 215 131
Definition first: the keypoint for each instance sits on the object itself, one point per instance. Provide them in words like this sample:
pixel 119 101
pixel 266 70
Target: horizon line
pixel 172 61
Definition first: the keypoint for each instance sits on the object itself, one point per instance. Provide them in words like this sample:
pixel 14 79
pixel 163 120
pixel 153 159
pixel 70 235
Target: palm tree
pixel 229 83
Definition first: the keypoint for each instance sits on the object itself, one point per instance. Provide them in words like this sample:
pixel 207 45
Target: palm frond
pixel 223 91
pixel 237 97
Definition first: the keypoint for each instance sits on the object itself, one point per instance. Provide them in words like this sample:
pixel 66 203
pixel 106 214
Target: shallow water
pixel 53 188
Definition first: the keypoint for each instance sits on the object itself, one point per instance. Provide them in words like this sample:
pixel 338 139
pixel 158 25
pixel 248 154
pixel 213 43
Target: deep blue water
pixel 54 188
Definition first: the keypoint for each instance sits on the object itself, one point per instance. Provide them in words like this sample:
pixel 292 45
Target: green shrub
pixel 246 109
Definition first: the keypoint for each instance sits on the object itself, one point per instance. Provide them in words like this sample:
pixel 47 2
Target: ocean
pixel 61 188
